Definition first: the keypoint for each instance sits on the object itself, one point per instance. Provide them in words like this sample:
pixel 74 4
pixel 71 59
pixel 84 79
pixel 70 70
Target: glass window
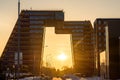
pixel 79 23
pixel 40 13
pixel 99 28
pixel 81 34
pixel 41 17
pixel 35 26
pixel 36 22
pixel 99 34
pixel 59 15
pixel 99 22
pixel 77 30
pixel 73 26
pixel 105 22
pixel 78 27
pixel 36 31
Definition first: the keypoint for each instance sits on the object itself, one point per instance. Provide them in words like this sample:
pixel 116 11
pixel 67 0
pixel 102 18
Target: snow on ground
pixel 90 78
pixel 73 77
pixel 55 78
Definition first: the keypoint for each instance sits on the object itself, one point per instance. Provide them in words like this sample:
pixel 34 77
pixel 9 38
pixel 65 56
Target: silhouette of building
pixel 82 43
pixel 32 25
pixel 107 40
pixel 31 37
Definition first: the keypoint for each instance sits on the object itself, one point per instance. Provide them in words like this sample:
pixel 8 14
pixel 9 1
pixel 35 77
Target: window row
pixel 77 30
pixel 35 26
pixel 81 34
pixel 36 31
pixel 36 22
pixel 41 17
pixel 74 26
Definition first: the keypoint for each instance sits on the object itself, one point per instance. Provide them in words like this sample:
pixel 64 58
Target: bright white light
pixel 62 57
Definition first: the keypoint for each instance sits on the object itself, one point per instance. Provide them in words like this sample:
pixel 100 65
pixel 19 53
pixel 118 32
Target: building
pixel 32 24
pixel 31 36
pixel 82 42
pixel 107 38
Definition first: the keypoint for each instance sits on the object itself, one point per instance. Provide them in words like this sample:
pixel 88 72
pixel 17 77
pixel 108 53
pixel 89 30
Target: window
pixel 81 34
pixel 36 22
pixel 78 23
pixel 34 26
pixel 40 13
pixel 74 27
pixel 77 30
pixel 99 22
pixel 41 17
pixel 36 31
pixel 99 33
pixel 105 23
pixel 59 16
pixel 99 28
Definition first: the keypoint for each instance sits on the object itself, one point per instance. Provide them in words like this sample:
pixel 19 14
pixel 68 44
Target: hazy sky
pixel 54 46
pixel 74 10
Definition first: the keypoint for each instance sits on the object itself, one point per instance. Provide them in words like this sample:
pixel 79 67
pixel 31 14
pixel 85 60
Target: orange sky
pixel 74 10
pixel 55 45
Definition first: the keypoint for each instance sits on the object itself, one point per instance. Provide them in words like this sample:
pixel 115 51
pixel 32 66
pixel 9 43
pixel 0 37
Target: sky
pixel 61 46
pixel 76 10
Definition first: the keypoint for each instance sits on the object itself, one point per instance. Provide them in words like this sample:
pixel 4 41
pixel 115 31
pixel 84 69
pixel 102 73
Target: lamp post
pixel 107 51
pixel 119 49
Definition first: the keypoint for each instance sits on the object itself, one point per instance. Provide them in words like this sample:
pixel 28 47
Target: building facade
pixel 31 37
pixel 82 45
pixel 82 42
pixel 32 25
pixel 107 47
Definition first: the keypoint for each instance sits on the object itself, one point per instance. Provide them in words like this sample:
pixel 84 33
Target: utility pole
pixel 18 60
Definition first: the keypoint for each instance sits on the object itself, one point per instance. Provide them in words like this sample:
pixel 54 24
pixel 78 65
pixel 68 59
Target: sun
pixel 62 57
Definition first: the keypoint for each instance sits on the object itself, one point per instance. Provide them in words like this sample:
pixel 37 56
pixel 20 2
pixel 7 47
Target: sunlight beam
pixel 62 57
